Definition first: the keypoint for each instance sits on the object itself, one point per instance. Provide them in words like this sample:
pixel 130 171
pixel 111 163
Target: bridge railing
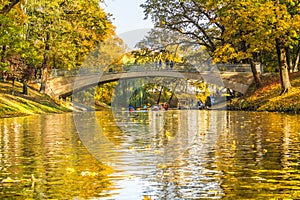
pixel 72 72
pixel 234 67
pixel 154 67
pixel 189 68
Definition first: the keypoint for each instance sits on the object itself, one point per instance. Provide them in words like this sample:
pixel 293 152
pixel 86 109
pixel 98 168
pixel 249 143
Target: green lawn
pixel 33 103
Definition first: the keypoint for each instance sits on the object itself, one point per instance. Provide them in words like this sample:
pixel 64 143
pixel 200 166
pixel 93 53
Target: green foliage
pixel 252 27
pixel 63 32
pixel 104 92
pixel 149 94
pixel 11 39
pixel 75 29
pixel 245 31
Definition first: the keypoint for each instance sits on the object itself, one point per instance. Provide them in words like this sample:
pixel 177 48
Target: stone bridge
pixel 64 86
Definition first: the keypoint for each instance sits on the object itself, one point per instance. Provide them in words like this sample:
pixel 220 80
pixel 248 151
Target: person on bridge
pixel 171 65
pixel 167 64
pixel 159 65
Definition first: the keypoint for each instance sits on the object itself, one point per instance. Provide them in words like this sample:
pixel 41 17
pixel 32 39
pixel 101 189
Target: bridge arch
pixel 63 86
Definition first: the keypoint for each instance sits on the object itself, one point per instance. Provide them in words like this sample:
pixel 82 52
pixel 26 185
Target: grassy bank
pixel 33 103
pixel 268 97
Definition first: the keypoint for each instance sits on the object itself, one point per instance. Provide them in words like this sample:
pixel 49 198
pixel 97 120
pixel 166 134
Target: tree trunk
pixel 25 87
pixel 161 89
pixel 283 68
pixel 256 75
pixel 173 92
pixel 288 59
pixel 9 6
pixel 296 62
pixel 45 66
pixel 3 52
pixel 44 79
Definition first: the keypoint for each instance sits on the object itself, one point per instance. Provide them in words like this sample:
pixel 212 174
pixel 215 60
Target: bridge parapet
pixel 179 67
pixel 234 67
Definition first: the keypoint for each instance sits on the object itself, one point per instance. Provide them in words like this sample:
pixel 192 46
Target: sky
pixel 128 17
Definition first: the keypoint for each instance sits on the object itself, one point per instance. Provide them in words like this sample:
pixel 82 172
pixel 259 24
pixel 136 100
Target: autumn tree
pixel 198 20
pixel 17 69
pixel 255 28
pixel 165 44
pixel 106 57
pixel 293 51
pixel 65 32
pixel 52 34
pixel 195 19
pixel 13 64
pixel 235 31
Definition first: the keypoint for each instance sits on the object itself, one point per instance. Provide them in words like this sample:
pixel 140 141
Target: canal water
pixel 177 154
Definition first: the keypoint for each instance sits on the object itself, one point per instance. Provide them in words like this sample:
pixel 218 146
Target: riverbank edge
pixel 267 98
pixel 19 104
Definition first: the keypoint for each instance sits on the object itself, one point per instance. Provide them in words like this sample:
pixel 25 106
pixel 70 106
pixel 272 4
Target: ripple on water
pixel 176 155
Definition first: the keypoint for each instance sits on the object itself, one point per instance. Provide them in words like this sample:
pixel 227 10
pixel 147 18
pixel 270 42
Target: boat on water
pixel 158 107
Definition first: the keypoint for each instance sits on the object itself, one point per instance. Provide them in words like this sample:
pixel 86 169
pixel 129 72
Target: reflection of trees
pixel 149 91
pixel 254 154
pixel 249 155
pixel 143 91
pixel 109 126
pixel 177 154
pixel 47 147
pixel 190 168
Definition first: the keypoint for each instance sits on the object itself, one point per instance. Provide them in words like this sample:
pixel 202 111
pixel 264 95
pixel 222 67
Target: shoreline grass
pixel 22 105
pixel 267 98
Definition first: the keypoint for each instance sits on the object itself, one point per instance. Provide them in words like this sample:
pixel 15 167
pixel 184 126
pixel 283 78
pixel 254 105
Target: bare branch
pixel 5 10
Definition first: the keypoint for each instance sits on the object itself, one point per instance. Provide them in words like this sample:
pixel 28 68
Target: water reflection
pixel 253 155
pixel 161 155
pixel 165 154
pixel 46 147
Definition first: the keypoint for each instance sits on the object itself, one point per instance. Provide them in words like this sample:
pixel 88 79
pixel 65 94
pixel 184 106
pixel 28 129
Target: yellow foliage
pixel 147 198
pixel 267 98
pixel 225 53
